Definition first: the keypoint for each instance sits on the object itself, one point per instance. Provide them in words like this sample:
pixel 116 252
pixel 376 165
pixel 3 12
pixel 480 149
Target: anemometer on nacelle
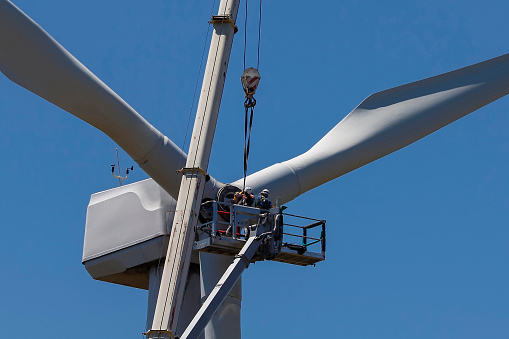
pixel 118 176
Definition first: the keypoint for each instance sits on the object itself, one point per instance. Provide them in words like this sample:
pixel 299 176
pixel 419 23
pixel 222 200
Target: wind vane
pixel 120 178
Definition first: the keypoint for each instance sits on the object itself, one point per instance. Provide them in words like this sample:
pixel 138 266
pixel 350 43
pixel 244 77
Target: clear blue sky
pixel 418 242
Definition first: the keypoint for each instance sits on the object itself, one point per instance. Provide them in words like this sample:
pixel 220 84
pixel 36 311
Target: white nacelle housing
pixel 125 232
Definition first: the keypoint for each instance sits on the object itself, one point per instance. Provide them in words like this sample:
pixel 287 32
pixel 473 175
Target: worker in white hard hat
pixel 262 200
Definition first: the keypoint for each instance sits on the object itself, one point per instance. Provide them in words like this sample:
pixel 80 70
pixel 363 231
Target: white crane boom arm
pixel 180 246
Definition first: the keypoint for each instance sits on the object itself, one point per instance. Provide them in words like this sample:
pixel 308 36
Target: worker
pixel 262 200
pixel 249 196
pixel 244 198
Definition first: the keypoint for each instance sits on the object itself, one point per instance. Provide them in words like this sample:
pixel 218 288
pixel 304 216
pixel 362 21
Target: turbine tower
pixel 383 123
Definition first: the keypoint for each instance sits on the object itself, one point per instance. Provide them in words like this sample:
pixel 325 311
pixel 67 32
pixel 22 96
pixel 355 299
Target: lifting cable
pixel 248 104
pixel 250 80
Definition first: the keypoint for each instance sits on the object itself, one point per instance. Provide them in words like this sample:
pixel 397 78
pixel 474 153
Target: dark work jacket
pixel 262 202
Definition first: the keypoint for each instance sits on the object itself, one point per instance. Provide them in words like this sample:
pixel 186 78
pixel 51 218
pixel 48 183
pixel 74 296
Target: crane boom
pixel 194 176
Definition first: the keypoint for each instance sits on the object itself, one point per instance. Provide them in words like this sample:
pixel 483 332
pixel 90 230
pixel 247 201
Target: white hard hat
pixel 248 190
pixel 265 192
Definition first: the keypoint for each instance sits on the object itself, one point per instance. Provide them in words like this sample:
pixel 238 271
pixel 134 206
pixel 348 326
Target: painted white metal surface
pixel 156 273
pixel 178 256
pixel 125 216
pixel 385 122
pixel 221 290
pixel 225 323
pixel 126 227
pixel 191 303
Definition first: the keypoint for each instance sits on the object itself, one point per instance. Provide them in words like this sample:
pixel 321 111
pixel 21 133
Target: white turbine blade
pixel 31 58
pixel 385 122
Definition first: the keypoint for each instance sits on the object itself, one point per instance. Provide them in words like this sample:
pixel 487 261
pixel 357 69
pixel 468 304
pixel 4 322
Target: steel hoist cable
pixel 248 104
pixel 259 34
pixel 250 80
